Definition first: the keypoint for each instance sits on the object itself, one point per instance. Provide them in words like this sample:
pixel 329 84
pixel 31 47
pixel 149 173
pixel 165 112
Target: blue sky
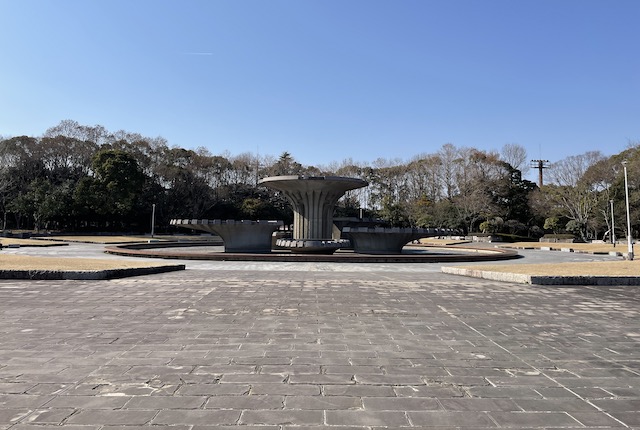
pixel 328 80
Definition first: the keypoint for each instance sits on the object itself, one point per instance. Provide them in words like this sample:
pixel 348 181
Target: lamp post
pixel 626 191
pixel 153 218
pixel 613 225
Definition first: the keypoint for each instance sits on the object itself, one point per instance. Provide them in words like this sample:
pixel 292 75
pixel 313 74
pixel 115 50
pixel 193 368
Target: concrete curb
pixel 87 274
pixel 542 280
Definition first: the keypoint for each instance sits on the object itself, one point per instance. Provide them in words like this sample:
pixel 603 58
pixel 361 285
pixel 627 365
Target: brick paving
pixel 303 350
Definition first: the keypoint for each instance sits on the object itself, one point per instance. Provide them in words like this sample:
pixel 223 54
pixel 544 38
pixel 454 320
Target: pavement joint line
pixel 542 372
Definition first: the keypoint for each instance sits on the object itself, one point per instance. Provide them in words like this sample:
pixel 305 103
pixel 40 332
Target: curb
pixel 50 275
pixel 542 280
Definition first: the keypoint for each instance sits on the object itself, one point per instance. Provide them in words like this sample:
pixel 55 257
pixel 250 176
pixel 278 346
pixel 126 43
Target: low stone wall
pixel 556 240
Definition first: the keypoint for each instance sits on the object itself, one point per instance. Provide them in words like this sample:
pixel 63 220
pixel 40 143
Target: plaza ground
pixel 343 346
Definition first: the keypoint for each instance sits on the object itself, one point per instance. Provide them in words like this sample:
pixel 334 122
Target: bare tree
pixel 448 155
pixel 573 192
pixel 516 155
pixel 569 171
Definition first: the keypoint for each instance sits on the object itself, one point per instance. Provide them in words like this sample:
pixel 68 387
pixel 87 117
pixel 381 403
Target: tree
pixel 515 155
pixel 119 181
pixel 394 213
pixel 44 202
pixel 286 165
pixel 553 224
pixel 572 193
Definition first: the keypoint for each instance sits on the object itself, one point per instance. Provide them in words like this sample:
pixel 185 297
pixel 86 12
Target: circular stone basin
pixel 380 240
pixel 238 235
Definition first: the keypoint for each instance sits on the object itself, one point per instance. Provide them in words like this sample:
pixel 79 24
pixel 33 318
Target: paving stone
pixel 183 427
pixel 593 419
pixel 359 390
pixel 16 388
pixel 475 404
pixel 618 404
pixel 352 370
pixel 504 392
pixel 251 378
pixel 366 418
pixel 88 402
pixel 389 379
pixel 286 389
pixel 299 417
pixel 49 416
pixel 165 402
pixel 400 404
pixel 340 379
pixel 56 427
pixel 447 418
pixel 12 416
pixel 47 389
pixel 245 402
pixel 214 389
pixel 568 405
pixel 293 369
pixel 322 402
pixel 222 427
pixel 534 419
pixel 113 417
pixel 428 391
pixel 15 401
pixel 286 427
pixel 195 417
pixel 628 418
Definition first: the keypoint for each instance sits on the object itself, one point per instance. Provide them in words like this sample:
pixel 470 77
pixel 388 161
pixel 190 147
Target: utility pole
pixel 540 165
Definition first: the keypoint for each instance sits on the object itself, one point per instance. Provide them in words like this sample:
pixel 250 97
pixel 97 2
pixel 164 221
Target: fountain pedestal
pixel 313 199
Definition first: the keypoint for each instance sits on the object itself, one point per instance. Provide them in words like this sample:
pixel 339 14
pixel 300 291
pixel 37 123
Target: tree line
pixel 86 178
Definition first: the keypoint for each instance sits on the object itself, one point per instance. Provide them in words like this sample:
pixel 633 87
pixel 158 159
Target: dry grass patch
pixel 6 241
pixel 111 240
pixel 586 247
pixel 599 268
pixel 25 262
pixel 103 239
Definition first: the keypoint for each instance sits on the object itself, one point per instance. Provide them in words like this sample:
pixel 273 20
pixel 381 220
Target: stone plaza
pixel 334 346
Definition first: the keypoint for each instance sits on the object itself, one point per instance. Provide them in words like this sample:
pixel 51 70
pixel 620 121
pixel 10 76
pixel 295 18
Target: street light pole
pixel 626 191
pixel 613 225
pixel 153 218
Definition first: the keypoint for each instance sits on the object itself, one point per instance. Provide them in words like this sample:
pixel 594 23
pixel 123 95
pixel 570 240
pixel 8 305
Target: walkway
pixel 351 347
